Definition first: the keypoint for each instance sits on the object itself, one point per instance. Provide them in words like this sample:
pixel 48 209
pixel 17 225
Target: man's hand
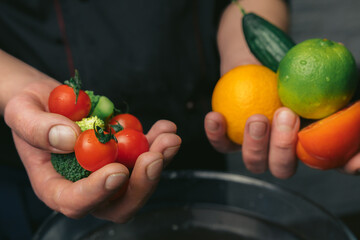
pixel 37 133
pixel 265 146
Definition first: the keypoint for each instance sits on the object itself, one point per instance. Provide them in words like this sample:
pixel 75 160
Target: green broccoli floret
pixel 94 100
pixel 88 123
pixel 67 166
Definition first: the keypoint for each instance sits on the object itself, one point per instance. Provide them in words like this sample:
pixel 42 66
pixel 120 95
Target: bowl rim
pixel 221 176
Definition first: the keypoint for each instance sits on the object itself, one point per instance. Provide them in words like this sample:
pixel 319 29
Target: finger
pixel 352 166
pixel 282 157
pixel 142 183
pixel 85 195
pixel 215 129
pixel 168 144
pixel 25 114
pixel 256 142
pixel 161 126
pixel 71 199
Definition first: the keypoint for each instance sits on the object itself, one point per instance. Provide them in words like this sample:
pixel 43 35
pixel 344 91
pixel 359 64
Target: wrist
pixel 235 60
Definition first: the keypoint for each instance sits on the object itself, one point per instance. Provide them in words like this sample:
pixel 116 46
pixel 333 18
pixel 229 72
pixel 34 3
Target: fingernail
pixel 212 125
pixel 257 130
pixel 153 171
pixel 115 180
pixel 285 120
pixel 169 152
pixel 62 137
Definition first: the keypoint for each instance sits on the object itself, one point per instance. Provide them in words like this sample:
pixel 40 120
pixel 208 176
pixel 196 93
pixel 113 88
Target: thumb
pixel 25 114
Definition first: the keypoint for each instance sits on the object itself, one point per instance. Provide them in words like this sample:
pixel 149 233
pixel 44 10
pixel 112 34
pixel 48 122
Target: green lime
pixel 316 78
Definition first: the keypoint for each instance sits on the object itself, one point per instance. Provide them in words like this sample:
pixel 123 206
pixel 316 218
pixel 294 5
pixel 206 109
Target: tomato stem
pixel 102 136
pixel 117 127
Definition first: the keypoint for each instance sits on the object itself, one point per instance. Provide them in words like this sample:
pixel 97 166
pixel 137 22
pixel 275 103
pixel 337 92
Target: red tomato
pixel 127 120
pixel 62 100
pixel 131 143
pixel 92 154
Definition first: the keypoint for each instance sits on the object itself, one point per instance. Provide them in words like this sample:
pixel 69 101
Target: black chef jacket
pixel 158 56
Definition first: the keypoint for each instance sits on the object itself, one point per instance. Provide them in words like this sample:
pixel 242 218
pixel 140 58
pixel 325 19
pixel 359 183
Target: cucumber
pixel 267 42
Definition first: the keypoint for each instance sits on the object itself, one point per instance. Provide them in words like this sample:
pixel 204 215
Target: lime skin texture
pixel 317 77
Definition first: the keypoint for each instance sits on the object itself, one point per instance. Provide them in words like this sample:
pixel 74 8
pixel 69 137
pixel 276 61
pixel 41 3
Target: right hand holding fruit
pixel 246 106
pixel 262 149
pixel 313 84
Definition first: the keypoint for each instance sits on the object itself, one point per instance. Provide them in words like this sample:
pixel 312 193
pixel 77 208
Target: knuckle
pixel 71 213
pixel 257 169
pixel 257 161
pixel 284 144
pixel 165 138
pixel 256 151
pixel 166 126
pixel 256 164
pixel 170 139
pixel 284 141
pixel 284 169
pixel 283 175
pixel 123 219
pixel 255 154
pixel 34 135
pixel 254 158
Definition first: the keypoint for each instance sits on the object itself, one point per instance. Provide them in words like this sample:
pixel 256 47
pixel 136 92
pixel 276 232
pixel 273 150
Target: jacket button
pixel 190 105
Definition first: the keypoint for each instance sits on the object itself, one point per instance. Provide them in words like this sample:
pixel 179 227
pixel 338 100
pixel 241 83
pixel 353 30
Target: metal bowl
pixel 209 205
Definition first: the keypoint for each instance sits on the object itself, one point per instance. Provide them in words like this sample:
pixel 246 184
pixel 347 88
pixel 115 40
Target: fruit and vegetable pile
pixel 316 78
pixel 108 134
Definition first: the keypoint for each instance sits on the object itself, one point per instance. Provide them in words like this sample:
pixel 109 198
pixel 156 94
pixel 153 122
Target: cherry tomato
pixel 62 100
pixel 91 153
pixel 131 143
pixel 127 120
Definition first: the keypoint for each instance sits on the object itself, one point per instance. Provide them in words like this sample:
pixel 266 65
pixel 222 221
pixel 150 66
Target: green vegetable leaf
pixel 75 84
pixel 94 100
pixel 117 127
pixel 102 136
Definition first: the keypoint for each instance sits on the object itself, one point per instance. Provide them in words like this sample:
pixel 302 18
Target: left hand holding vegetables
pixel 265 146
pixel 37 133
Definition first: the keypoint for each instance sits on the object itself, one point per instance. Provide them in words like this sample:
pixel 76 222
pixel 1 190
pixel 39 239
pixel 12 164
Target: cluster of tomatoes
pixel 124 146
pixel 122 140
